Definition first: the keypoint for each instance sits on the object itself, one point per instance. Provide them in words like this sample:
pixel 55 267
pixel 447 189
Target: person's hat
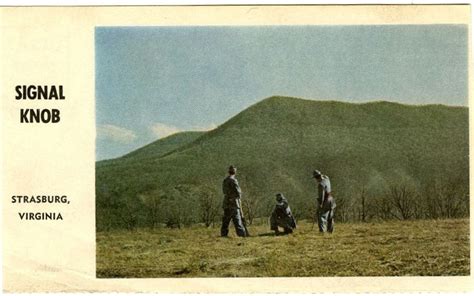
pixel 232 169
pixel 316 174
pixel 279 197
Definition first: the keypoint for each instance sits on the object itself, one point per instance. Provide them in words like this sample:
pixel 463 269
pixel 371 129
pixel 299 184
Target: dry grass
pixel 428 247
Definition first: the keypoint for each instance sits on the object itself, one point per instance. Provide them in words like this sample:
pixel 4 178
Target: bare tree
pixel 249 208
pixel 209 208
pixel 363 207
pixel 251 200
pixel 403 201
pixel 383 208
pixel 152 202
pixel 446 199
pixel 342 210
pixel 129 213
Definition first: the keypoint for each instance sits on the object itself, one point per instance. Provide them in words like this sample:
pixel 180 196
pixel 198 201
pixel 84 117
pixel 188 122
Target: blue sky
pixel 155 81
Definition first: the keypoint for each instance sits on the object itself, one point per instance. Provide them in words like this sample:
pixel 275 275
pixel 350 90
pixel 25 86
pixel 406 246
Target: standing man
pixel 231 204
pixel 326 203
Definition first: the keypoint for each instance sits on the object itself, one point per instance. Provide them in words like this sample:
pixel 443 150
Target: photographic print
pixel 282 151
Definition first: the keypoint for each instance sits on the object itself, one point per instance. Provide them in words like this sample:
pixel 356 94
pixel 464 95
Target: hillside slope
pixel 155 149
pixel 278 142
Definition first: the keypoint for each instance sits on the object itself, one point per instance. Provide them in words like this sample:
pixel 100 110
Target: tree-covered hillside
pixel 380 156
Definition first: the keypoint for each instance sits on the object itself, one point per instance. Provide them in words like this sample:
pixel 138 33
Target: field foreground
pixel 408 248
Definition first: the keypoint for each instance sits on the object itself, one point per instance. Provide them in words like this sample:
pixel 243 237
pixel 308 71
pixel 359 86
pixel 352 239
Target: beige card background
pixel 55 46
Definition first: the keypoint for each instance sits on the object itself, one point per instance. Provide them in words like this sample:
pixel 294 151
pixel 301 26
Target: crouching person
pixel 281 216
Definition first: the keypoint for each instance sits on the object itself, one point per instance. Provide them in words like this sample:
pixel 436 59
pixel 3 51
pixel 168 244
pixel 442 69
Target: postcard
pixel 236 148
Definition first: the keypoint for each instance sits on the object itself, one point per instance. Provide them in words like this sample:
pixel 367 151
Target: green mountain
pixel 276 144
pixel 155 149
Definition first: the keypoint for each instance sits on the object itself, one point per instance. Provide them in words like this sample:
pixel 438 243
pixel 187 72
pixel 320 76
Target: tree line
pixel 440 199
pixel 189 204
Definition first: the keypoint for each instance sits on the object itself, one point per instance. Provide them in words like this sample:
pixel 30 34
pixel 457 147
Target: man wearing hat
pixel 231 204
pixel 281 216
pixel 326 203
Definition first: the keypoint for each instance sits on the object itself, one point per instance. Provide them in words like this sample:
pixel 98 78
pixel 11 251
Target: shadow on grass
pixel 272 234
pixel 267 234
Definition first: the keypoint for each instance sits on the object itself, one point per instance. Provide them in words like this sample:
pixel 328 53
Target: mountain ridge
pixel 276 98
pixel 277 142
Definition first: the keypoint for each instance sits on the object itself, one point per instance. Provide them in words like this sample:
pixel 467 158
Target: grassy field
pixel 427 247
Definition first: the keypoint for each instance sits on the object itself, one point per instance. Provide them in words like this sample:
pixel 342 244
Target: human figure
pixel 281 216
pixel 231 204
pixel 326 203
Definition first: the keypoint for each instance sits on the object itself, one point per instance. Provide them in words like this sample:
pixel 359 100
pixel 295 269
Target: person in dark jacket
pixel 231 204
pixel 282 216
